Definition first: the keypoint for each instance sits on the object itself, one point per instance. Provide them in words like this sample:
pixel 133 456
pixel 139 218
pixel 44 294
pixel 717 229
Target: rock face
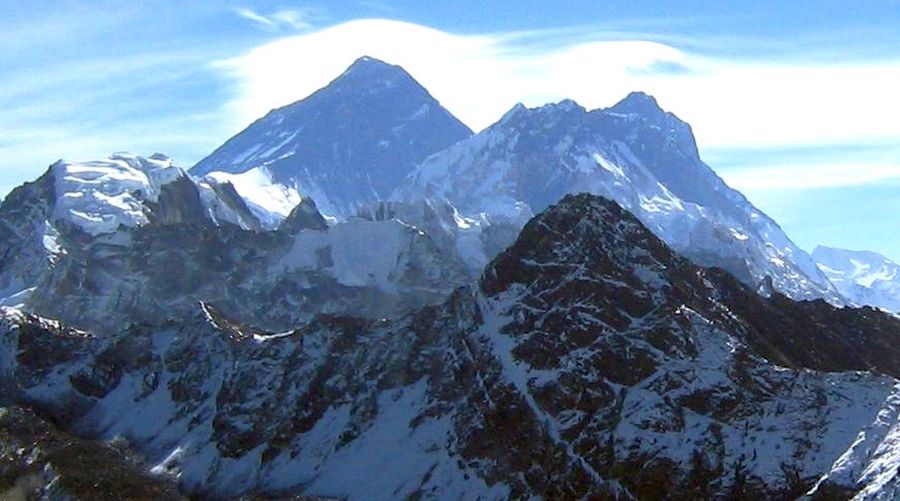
pixel 347 145
pixel 590 361
pixel 863 277
pixel 634 153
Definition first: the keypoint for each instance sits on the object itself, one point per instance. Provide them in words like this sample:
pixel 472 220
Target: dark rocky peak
pixel 305 216
pixel 29 204
pixel 178 203
pixel 229 197
pixel 587 235
pixel 588 254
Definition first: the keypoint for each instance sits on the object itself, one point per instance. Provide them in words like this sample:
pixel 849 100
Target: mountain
pixel 128 239
pixel 375 134
pixel 348 144
pixel 589 361
pixel 91 199
pixel 634 153
pixel 864 277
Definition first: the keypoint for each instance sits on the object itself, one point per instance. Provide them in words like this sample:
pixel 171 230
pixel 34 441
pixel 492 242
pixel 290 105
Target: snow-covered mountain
pixel 591 361
pixel 331 146
pixel 863 277
pixel 447 339
pixel 347 145
pixel 128 239
pixel 634 153
pixel 88 200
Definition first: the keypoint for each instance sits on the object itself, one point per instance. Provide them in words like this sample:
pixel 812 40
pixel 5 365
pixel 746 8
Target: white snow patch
pixel 269 201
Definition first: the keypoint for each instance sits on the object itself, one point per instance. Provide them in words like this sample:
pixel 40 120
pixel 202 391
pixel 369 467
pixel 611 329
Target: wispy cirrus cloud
pixel 291 19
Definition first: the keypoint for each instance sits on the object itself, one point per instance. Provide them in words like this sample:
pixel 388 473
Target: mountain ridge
pixel 647 163
pixel 591 360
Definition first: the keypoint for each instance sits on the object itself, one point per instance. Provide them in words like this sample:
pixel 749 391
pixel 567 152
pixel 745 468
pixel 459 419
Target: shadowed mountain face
pixel 590 361
pixel 349 144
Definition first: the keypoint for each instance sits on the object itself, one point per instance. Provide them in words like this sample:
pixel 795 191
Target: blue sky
pixel 794 103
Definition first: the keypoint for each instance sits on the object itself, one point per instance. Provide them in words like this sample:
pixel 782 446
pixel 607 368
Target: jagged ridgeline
pixel 354 298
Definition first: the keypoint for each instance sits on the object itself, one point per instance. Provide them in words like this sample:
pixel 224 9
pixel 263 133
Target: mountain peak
pixel 639 103
pixel 581 230
pixel 367 63
pixel 348 144
pixel 372 73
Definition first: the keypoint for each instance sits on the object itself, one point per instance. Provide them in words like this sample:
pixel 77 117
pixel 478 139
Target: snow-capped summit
pixel 128 190
pixel 635 153
pixel 100 195
pixel 864 277
pixel 348 144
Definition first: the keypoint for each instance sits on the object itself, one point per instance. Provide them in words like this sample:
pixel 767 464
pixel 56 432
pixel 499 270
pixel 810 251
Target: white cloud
pixel 729 102
pixel 253 16
pixel 296 19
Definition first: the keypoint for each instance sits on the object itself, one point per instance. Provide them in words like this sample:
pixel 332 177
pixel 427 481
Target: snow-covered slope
pixel 863 277
pixel 270 202
pixel 590 362
pixel 125 190
pixel 98 196
pixel 634 153
pixel 347 145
